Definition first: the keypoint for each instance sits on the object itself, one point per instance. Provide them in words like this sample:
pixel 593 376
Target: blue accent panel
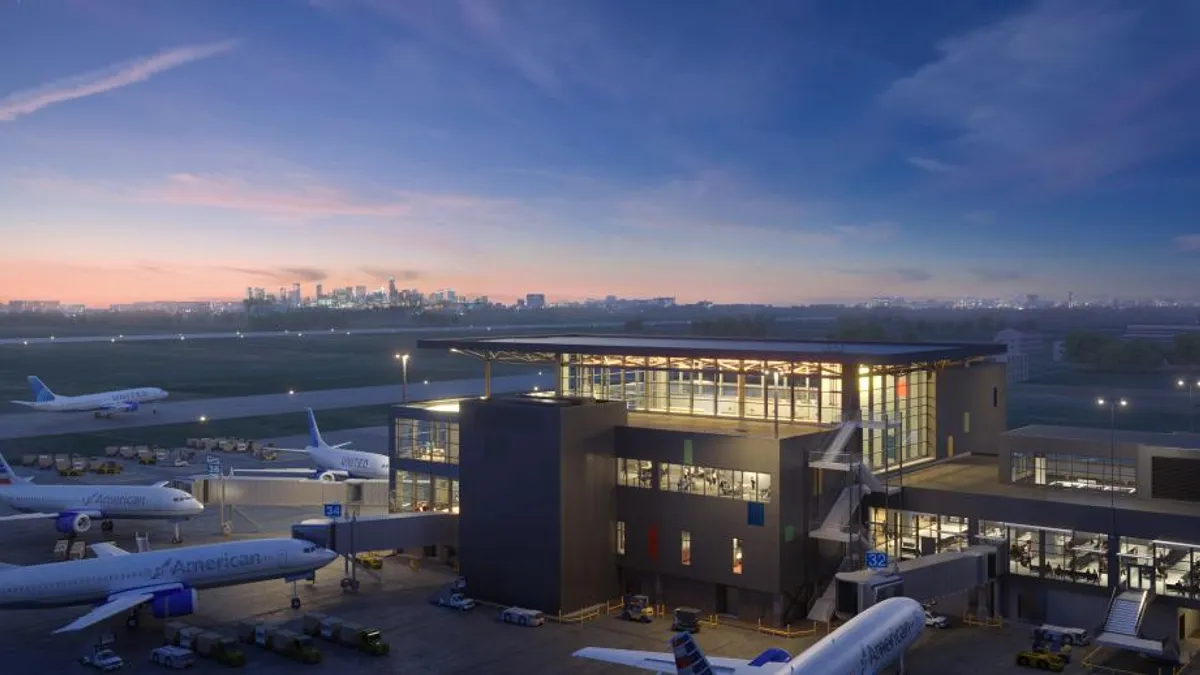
pixel 771 655
pixel 41 393
pixel 756 514
pixel 173 603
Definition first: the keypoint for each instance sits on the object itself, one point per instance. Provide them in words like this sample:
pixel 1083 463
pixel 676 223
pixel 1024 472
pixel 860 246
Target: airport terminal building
pixel 723 474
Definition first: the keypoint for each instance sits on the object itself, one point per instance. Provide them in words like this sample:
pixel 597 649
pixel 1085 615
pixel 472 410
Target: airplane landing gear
pixel 349 584
pixel 178 538
pixel 295 596
pixel 133 620
pixel 106 526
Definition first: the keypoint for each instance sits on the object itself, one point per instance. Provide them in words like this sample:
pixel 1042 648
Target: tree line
pixel 1111 354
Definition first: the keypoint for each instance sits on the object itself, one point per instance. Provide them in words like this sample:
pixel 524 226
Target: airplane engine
pixel 73 523
pixel 174 603
pixel 327 476
pixel 129 406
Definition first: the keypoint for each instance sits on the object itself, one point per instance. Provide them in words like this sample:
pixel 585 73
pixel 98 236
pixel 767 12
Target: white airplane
pixel 864 645
pixel 74 507
pixel 333 462
pixel 104 404
pixel 117 581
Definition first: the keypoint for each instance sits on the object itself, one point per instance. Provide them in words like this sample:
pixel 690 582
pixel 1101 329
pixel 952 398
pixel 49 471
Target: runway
pixel 27 425
pixel 332 332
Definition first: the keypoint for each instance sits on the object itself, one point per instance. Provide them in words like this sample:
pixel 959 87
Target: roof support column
pixel 561 375
pixel 487 378
pixel 741 390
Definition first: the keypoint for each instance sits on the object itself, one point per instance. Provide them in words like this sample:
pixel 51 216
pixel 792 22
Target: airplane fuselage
pixel 94 580
pixel 108 400
pixel 112 502
pixel 355 463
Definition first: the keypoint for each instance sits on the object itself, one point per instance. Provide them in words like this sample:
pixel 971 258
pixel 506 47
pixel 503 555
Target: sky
pixel 776 151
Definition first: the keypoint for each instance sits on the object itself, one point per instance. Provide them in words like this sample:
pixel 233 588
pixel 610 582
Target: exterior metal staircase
pixel 1125 613
pixel 837 523
pixel 826 604
pixel 1124 620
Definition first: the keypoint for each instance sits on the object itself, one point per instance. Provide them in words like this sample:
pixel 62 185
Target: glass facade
pixel 635 472
pixel 904 534
pixel 1171 568
pixel 804 392
pixel 1052 553
pixel 427 440
pixel 902 407
pixel 729 483
pixel 424 492
pixel 897 404
pixel 1076 472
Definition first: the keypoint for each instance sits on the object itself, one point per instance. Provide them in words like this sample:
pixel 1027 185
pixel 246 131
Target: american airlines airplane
pixel 118 581
pixel 74 507
pixel 333 462
pixel 104 404
pixel 864 645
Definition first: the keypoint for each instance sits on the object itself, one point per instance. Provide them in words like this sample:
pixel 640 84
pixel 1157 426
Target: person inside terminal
pixel 751 478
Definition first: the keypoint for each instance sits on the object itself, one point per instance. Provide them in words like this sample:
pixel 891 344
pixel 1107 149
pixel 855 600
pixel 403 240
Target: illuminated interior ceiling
pixel 698 363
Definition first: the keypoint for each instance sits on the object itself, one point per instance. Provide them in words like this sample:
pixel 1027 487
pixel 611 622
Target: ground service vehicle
pixel 1041 660
pixel 103 658
pixel 522 617
pixel 1070 636
pixel 366 640
pixel 173 657
pixel 456 601
pixel 285 642
pixel 206 643
pixel 687 619
pixel 637 608
pixel 936 620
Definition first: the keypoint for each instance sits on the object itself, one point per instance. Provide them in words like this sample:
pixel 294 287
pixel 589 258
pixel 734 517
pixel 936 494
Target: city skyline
pixel 788 154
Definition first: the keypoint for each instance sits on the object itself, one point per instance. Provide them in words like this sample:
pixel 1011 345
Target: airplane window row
pixel 81 580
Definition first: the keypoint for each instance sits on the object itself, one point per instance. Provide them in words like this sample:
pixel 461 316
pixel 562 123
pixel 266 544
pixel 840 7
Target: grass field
pixel 218 368
pixel 174 435
pixel 1162 381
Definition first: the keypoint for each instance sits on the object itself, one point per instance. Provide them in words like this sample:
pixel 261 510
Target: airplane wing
pixel 114 606
pixel 662 662
pixel 28 516
pixel 8 566
pixel 300 450
pixel 107 550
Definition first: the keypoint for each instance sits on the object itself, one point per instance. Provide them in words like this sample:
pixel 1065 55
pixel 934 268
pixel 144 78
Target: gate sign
pixel 876 560
pixel 333 510
pixel 214 465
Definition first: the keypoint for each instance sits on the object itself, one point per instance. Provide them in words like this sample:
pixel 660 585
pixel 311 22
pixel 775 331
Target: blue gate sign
pixel 876 560
pixel 214 465
pixel 333 510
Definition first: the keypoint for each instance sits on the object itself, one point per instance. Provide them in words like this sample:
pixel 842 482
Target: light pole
pixel 1113 404
pixel 1191 386
pixel 403 359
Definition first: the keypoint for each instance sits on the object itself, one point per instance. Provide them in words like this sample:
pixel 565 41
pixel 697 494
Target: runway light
pixel 291 392
pixel 426 381
pixel 203 418
pixel 121 336
pixel 539 372
pixel 536 388
pixel 112 339
pixel 51 337
pixel 300 334
pixel 26 342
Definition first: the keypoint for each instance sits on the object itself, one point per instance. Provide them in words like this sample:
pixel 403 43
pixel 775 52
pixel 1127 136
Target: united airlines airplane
pixel 864 645
pixel 73 508
pixel 117 581
pixel 104 404
pixel 333 462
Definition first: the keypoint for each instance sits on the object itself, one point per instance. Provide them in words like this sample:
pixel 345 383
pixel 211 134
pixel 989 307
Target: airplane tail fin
pixel 7 477
pixel 314 432
pixel 689 660
pixel 41 393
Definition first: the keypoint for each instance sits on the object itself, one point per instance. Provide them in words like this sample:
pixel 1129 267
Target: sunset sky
pixel 770 151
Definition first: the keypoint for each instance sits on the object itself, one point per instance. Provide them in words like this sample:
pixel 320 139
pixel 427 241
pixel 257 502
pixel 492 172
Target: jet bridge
pixel 277 491
pixel 380 533
pixel 926 579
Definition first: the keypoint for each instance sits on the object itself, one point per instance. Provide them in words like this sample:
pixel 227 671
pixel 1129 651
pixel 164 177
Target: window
pixel 620 537
pixel 635 472
pixel 709 482
pixel 737 555
pixel 1078 472
pixel 966 423
pixel 1025 550
pixel 685 547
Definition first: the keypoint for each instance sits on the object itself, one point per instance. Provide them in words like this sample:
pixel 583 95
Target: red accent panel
pixel 652 542
pixel 902 387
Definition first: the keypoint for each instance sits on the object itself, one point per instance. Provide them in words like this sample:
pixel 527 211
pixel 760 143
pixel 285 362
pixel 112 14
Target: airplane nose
pixel 327 556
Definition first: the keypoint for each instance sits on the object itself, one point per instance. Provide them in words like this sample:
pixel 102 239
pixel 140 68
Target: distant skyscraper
pixel 535 300
pixel 249 292
pixel 392 290
pixel 320 292
pixel 360 292
pixel 296 294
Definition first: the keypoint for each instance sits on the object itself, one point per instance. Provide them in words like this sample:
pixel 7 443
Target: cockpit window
pixel 310 549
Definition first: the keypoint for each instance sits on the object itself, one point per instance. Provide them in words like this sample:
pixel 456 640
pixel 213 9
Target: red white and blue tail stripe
pixel 689 660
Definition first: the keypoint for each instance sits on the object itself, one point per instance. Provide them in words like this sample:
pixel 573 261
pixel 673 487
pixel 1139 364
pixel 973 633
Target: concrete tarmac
pixel 25 425
pixel 227 335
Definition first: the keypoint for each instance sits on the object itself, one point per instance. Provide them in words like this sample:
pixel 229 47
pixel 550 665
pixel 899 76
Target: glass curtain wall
pixel 1077 472
pixel 416 492
pixel 1064 555
pixel 904 535
pixel 427 440
pixel 906 403
pixel 803 392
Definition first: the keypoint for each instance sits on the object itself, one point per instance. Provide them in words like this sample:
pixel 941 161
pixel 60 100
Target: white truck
pixel 173 657
pixel 103 658
pixel 456 601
